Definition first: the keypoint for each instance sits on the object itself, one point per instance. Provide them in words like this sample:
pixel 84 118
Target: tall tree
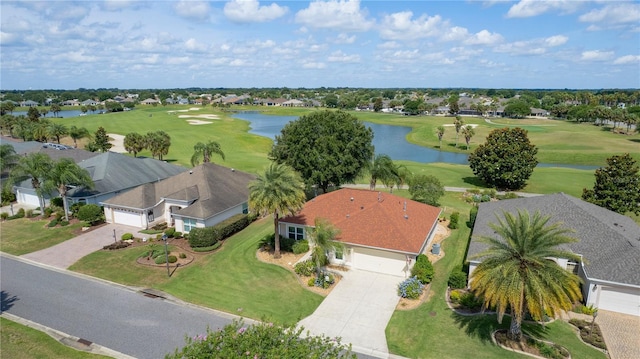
pixel 506 160
pixel 204 151
pixel 64 173
pixel 101 140
pixel 57 130
pixel 36 167
pixel 467 133
pixel 279 191
pixel 377 104
pixel 55 108
pixel 77 133
pixel 458 123
pixel 426 189
pixel 33 114
pixel 381 168
pixel 8 157
pixel 158 143
pixel 325 147
pixel 440 133
pixel 323 240
pixel 518 273
pixel 134 143
pixel 617 186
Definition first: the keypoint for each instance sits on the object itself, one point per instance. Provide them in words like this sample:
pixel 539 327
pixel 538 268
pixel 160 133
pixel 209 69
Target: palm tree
pixel 67 173
pixel 279 190
pixel 134 143
pixel 36 167
pixel 8 157
pixel 468 132
pixel 205 150
pixel 56 130
pixel 459 122
pixel 77 133
pixel 55 108
pixel 323 239
pixel 440 133
pixel 381 168
pixel 517 270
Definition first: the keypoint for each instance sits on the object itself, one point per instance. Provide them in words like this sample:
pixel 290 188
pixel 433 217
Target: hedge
pixel 423 269
pixel 207 249
pixel 208 236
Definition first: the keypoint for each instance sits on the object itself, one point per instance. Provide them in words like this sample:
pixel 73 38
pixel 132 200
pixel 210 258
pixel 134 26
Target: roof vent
pixel 351 199
pixel 361 207
pixel 233 170
pixel 347 215
pixel 406 216
pixel 190 172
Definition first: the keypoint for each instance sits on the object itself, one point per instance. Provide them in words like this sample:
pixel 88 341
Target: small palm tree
pixel 280 191
pixel 57 130
pixel 440 133
pixel 67 173
pixel 467 133
pixel 459 122
pixel 36 167
pixel 8 157
pixel 381 168
pixel 517 270
pixel 134 143
pixel 323 239
pixel 77 133
pixel 205 150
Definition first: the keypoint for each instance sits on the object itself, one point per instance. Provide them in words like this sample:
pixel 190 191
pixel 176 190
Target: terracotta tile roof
pixel 373 219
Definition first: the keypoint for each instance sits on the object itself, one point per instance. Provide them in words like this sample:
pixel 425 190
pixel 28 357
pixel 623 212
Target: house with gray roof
pixel 608 243
pixel 200 197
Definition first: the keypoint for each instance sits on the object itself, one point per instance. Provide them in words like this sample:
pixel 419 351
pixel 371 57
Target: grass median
pixel 24 235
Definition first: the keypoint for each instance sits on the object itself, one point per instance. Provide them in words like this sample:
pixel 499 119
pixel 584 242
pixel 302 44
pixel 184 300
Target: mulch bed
pixel 531 346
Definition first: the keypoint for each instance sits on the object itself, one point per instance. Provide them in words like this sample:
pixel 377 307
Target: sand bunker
pixel 206 117
pixel 473 125
pixel 118 143
pixel 194 109
pixel 198 122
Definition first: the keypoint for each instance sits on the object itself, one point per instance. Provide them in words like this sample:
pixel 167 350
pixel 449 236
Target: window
pixel 189 224
pixel 296 233
pixel 339 254
pixel 245 208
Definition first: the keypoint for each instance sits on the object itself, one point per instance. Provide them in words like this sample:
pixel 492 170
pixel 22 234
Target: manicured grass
pixel 21 236
pixel 231 279
pixel 435 331
pixel 22 342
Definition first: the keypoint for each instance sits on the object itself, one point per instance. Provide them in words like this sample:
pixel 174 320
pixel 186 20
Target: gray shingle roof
pixel 214 189
pixel 609 242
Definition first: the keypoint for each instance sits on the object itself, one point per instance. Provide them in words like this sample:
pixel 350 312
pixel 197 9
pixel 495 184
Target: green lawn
pixel 22 342
pixel 21 236
pixel 231 279
pixel 434 331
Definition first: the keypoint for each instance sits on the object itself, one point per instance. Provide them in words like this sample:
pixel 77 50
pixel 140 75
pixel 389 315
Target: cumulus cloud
pixel 532 47
pixel 178 60
pixel 613 14
pixel 314 65
pixel 251 11
pixel 339 56
pixel 342 15
pixel 530 8
pixel 389 45
pixel 75 56
pixel 484 37
pixel 556 40
pixel 596 55
pixel 194 10
pixel 401 25
pixel 194 46
pixel 628 59
pixel 345 39
pixel 8 38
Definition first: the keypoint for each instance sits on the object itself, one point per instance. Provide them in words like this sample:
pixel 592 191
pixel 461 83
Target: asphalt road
pixel 110 315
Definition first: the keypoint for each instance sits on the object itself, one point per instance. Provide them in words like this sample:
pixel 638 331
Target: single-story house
pixel 609 244
pixel 381 232
pixel 200 197
pixel 149 101
pixel 112 173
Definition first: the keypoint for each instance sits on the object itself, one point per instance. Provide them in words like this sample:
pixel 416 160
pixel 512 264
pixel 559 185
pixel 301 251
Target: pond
pixel 61 114
pixel 387 139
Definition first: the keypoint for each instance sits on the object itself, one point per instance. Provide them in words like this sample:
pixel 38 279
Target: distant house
pixel 293 103
pixel 381 232
pixel 89 102
pixel 149 101
pixel 200 197
pixel 70 103
pixel 28 103
pixel 609 244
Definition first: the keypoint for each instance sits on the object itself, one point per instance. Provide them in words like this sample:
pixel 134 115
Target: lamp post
pixel 166 254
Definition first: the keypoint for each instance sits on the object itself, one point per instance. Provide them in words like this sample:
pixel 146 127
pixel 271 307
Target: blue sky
pixel 249 43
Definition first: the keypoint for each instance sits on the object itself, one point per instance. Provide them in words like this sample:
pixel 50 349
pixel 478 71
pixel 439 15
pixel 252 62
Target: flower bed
pixel 531 346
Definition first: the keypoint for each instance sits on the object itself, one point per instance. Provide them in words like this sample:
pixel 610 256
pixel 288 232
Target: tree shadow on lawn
pixel 637 140
pixel 474 181
pixel 481 326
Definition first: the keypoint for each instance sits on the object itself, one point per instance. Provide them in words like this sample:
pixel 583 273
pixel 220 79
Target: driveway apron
pixel 64 254
pixel 357 310
pixel 621 333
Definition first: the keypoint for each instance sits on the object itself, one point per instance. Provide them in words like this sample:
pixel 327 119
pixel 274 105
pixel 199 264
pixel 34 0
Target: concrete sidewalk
pixel 358 310
pixel 63 255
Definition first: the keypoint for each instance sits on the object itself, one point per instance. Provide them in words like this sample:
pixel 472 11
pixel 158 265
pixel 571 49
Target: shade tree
pixel 617 185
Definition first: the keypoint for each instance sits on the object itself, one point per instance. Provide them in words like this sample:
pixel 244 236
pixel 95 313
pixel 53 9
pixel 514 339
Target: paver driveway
pixel 621 332
pixel 64 254
pixel 358 310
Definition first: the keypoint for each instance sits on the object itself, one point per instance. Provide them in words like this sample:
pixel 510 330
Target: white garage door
pixel 127 218
pixel 621 300
pixel 378 261
pixel 29 199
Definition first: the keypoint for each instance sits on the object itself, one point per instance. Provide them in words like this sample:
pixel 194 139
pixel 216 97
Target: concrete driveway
pixel 63 255
pixel 621 332
pixel 358 310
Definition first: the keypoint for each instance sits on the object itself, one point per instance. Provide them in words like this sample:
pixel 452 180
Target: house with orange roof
pixel 381 232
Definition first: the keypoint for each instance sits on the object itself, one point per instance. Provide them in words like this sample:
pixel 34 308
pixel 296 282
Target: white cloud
pixel 556 40
pixel 596 55
pixel 178 60
pixel 484 37
pixel 455 33
pixel 238 63
pixel 7 38
pixel 317 48
pixel 401 26
pixel 389 45
pixel 530 8
pixel 251 11
pixel 532 47
pixel 345 39
pixel 611 14
pixel 194 46
pixel 628 59
pixel 195 10
pixel 339 56
pixel 341 15
pixel 75 56
pixel 314 65
pixel 151 59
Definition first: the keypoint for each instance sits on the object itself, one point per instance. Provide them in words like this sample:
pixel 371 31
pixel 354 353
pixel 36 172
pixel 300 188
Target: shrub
pixel 207 249
pixel 469 300
pixel 53 223
pixel 453 220
pixel 162 259
pixel 311 282
pixel 300 247
pixel 305 268
pixel 170 232
pixel 91 213
pixel 4 216
pixel 454 296
pixel 177 235
pixel 208 236
pixel 75 208
pixel 588 309
pixel 117 245
pixel 411 288
pixel 423 269
pixel 19 214
pixel 127 236
pixel 48 212
pixel 489 192
pixel 457 279
pixel 160 226
pixel 286 244
pixel 473 214
pixel 57 201
pixel 64 223
pixel 324 280
pixel 233 225
pixel 203 237
pixel 182 255
pixel 29 214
